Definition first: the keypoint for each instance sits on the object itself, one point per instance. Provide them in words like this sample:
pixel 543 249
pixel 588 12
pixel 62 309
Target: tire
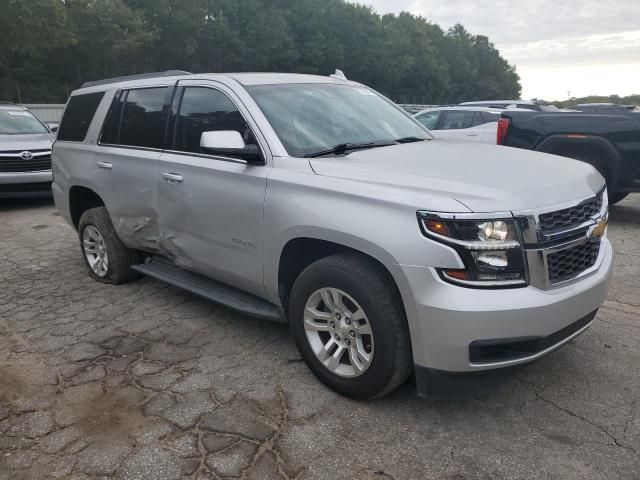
pixel 119 258
pixel 617 197
pixel 366 286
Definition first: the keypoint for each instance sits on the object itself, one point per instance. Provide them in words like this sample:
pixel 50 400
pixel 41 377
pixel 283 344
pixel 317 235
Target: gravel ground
pixel 144 381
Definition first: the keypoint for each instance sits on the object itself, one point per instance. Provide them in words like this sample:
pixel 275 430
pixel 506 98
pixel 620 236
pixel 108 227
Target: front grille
pixel 11 162
pixel 569 263
pixel 570 217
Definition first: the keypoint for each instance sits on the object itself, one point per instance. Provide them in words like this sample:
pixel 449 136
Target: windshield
pixel 310 118
pixel 14 122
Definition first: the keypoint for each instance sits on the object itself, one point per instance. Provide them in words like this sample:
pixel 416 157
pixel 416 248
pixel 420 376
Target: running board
pixel 211 290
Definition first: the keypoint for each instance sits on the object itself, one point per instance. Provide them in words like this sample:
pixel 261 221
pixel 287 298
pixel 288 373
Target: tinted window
pixel 111 128
pixel 206 110
pixel 454 120
pixel 142 119
pixel 485 117
pixel 429 119
pixel 78 115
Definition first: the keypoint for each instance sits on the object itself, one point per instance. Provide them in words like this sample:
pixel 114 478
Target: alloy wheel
pixel 339 332
pixel 95 251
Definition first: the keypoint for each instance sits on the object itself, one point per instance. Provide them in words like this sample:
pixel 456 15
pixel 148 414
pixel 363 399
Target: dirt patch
pixel 12 389
pixel 111 412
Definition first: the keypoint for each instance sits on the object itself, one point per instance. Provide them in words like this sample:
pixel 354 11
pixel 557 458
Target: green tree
pixel 30 31
pixel 51 46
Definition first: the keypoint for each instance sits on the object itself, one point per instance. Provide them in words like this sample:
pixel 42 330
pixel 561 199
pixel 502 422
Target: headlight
pixel 489 248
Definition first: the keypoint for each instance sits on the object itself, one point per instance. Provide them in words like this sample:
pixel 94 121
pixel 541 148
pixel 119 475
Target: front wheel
pixel 349 326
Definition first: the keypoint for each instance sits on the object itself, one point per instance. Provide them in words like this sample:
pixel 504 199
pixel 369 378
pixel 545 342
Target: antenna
pixel 339 75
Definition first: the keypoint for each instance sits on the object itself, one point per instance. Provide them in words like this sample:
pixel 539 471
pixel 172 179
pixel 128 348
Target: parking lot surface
pixel 145 381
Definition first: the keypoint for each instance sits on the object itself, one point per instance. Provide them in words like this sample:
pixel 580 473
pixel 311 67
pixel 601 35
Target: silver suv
pixel 25 153
pixel 316 201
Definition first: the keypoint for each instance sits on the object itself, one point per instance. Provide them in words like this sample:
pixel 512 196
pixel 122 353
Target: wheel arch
pixel 81 199
pixel 299 252
pixel 594 150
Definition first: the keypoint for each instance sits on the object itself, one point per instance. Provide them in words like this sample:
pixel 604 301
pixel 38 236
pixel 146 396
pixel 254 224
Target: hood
pixel 38 141
pixel 485 178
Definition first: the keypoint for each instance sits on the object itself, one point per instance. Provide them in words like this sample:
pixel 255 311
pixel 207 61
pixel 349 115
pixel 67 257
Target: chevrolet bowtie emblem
pixel 599 229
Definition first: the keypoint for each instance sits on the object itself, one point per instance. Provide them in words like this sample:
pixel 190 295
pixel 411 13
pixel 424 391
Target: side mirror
pixel 53 127
pixel 230 142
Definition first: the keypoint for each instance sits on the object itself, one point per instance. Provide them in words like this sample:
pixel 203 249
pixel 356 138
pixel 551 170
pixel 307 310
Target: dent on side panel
pixel 143 231
pixel 133 201
pixel 171 246
pixel 134 211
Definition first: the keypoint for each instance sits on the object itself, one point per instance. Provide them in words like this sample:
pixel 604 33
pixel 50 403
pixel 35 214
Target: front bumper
pixel 445 320
pixel 28 184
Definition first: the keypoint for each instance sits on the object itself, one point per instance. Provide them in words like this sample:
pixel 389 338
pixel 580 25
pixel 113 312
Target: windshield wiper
pixel 410 139
pixel 343 148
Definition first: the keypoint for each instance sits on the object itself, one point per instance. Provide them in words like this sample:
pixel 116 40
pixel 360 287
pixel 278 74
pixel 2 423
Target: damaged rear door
pixel 127 163
pixel 211 205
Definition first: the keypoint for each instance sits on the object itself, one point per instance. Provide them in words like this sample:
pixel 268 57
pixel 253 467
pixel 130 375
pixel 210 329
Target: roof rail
pixel 106 81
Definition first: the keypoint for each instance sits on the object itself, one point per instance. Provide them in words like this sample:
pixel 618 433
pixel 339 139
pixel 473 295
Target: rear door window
pixel 454 120
pixel 429 119
pixel 143 118
pixel 77 116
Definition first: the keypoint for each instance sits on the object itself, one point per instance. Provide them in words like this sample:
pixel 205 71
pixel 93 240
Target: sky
pixel 559 47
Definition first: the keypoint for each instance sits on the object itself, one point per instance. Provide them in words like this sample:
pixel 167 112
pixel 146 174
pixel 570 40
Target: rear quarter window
pixel 77 116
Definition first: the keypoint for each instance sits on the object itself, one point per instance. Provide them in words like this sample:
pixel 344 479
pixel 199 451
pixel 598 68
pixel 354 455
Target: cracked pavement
pixel 145 381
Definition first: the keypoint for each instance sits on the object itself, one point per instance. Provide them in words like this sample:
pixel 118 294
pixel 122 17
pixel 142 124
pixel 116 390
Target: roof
pixel 598 105
pixel 489 102
pixel 128 78
pixel 465 108
pixel 162 78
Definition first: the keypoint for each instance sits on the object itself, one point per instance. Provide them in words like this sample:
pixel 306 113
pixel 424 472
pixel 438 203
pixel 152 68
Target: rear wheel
pixel 108 259
pixel 350 327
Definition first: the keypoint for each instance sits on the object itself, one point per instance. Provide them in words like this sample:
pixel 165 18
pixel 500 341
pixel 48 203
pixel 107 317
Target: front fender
pixel 349 214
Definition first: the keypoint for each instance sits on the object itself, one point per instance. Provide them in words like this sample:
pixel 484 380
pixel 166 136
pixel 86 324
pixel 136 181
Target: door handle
pixel 472 134
pixel 172 177
pixel 105 165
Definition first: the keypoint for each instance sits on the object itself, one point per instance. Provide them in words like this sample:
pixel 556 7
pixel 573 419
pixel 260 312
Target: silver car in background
pixel 25 153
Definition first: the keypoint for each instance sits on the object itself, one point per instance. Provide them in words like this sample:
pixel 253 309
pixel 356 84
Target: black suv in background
pixel 610 142
pixel 606 108
pixel 25 153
